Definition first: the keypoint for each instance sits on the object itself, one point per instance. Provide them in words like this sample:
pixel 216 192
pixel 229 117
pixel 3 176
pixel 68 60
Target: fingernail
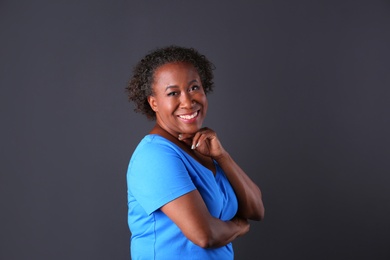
pixel 197 144
pixel 192 147
pixel 180 136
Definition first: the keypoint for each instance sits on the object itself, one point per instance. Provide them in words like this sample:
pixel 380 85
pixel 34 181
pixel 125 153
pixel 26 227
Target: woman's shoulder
pixel 155 151
pixel 153 144
pixel 155 141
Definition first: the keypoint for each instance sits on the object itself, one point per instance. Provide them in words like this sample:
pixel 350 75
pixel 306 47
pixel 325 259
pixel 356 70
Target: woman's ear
pixel 152 103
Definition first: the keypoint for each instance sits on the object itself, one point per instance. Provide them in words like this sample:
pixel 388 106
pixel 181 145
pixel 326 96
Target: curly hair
pixel 140 84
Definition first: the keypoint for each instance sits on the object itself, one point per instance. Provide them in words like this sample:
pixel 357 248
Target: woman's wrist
pixel 222 157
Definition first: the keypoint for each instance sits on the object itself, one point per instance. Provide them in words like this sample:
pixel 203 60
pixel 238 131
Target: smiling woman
pixel 187 198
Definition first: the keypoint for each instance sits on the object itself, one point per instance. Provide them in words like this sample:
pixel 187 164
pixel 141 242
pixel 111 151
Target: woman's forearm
pixel 191 215
pixel 222 233
pixel 250 204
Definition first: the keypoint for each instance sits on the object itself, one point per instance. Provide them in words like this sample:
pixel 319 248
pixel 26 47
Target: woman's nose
pixel 186 100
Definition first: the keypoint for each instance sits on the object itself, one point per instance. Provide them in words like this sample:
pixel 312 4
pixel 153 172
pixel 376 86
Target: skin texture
pixel 180 105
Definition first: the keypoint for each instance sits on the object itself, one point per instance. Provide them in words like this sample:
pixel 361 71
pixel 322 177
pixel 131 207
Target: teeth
pixel 189 116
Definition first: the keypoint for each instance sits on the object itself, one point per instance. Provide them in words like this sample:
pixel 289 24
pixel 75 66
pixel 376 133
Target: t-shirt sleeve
pixel 157 175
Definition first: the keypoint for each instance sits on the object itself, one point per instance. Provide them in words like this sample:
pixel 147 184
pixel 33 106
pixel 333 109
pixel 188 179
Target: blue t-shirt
pixel 159 172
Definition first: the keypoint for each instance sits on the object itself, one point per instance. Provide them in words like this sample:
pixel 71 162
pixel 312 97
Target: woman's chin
pixel 190 131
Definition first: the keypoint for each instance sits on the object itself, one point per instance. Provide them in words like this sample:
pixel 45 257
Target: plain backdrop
pixel 301 102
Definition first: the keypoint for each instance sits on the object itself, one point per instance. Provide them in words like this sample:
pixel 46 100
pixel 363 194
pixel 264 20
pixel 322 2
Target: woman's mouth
pixel 189 116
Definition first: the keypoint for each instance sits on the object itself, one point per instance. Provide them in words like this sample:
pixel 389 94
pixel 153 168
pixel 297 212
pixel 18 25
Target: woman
pixel 187 197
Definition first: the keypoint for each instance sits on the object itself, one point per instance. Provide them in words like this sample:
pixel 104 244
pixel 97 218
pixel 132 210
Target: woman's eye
pixel 174 93
pixel 194 88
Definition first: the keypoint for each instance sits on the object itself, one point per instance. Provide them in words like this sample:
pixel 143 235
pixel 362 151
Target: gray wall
pixel 301 102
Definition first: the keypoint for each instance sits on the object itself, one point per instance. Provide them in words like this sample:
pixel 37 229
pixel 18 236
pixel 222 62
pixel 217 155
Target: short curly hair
pixel 139 87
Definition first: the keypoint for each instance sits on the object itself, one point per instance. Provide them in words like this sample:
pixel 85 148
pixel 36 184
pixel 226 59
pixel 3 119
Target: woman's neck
pixel 157 129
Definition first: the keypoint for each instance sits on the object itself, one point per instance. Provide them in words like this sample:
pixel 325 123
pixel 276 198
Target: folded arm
pixel 191 215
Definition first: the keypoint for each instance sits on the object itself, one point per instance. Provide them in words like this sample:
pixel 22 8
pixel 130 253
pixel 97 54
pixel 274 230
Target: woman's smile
pixel 189 118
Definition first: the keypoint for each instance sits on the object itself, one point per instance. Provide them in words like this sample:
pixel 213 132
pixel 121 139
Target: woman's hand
pixel 242 223
pixel 205 141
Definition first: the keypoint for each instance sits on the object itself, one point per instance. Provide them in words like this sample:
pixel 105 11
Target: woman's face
pixel 178 98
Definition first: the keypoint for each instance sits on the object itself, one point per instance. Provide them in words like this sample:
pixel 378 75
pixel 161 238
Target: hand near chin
pixel 205 141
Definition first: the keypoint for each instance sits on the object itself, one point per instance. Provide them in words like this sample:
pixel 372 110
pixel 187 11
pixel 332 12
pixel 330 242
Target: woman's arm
pixel 190 214
pixel 250 204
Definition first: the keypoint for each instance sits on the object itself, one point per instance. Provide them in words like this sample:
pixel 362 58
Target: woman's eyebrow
pixel 175 86
pixel 193 81
pixel 171 86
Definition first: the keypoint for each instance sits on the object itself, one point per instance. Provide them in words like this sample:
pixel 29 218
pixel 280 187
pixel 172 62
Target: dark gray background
pixel 301 102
